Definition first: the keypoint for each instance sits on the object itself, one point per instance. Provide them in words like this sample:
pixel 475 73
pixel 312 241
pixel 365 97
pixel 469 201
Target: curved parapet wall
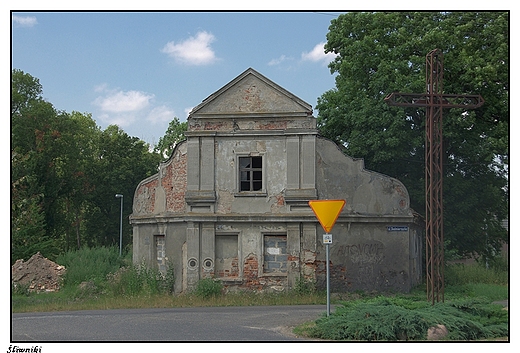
pixel 164 192
pixel 366 192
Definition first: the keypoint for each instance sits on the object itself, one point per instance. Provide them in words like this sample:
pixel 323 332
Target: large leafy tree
pixel 379 53
pixel 121 162
pixel 65 172
pixel 33 171
pixel 174 134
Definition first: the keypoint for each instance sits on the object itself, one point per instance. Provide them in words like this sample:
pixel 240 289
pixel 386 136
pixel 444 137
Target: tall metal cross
pixel 434 101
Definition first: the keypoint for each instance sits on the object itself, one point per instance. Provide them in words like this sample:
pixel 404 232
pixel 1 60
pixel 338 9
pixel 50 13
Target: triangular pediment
pixel 251 94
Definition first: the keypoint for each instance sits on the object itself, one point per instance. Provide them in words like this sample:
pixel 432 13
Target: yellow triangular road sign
pixel 327 212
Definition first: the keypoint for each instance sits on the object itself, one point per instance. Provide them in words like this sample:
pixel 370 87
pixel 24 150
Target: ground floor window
pixel 160 252
pixel 275 254
pixel 226 256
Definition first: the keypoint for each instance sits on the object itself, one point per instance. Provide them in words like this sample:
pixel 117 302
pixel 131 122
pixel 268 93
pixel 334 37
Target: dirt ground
pixel 38 273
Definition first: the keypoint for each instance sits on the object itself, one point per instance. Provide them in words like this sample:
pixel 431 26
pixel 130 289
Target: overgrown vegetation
pixel 90 264
pixel 468 312
pixel 209 287
pixel 407 318
pixel 98 278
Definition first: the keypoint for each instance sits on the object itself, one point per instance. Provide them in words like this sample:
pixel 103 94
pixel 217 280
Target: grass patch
pixel 100 279
pixel 61 301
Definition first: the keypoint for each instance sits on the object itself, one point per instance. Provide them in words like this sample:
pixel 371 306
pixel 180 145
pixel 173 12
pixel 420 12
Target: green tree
pixel 65 172
pixel 121 162
pixel 31 116
pixel 174 134
pixel 384 52
pixel 25 90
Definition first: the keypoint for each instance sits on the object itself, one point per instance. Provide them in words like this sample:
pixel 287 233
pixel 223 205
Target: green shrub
pixel 399 318
pixel 89 264
pixel 208 287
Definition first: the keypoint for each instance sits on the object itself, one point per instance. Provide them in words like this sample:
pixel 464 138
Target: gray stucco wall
pixel 269 239
pixel 365 254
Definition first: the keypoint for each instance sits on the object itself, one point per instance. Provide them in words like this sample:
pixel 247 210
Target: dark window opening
pixel 250 173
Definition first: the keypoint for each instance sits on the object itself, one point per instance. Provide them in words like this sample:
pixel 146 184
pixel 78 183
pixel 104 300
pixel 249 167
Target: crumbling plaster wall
pixel 365 254
pixel 365 192
pixel 229 200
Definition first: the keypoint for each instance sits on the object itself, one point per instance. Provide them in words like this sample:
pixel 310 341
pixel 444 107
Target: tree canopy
pixel 384 52
pixel 65 172
pixel 174 134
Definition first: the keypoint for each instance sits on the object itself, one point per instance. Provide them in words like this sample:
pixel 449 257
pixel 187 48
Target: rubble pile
pixel 38 273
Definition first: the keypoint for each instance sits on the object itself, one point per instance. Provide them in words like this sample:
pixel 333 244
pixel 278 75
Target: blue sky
pixel 140 69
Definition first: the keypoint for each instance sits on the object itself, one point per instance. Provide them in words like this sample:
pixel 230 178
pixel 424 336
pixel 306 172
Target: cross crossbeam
pixel 434 101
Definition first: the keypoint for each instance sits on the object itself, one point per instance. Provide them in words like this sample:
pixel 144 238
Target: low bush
pixel 400 318
pixel 209 287
pixel 468 311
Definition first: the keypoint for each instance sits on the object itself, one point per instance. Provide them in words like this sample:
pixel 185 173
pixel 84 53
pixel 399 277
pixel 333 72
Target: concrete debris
pixel 38 273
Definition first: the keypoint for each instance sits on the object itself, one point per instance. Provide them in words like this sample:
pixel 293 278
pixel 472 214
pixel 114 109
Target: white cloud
pixel 160 114
pixel 187 112
pixel 26 21
pixel 279 60
pixel 101 87
pixel 121 120
pixel 120 101
pixel 193 51
pixel 119 107
pixel 317 54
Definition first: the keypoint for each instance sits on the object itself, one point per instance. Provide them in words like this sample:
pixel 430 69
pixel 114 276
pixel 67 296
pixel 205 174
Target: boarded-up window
pixel 275 254
pixel 226 256
pixel 160 252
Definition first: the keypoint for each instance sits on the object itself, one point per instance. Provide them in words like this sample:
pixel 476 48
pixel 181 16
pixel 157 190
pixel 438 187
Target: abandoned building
pixel 231 202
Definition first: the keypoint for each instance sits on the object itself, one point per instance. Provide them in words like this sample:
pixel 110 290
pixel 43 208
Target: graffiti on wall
pixel 362 253
pixel 364 258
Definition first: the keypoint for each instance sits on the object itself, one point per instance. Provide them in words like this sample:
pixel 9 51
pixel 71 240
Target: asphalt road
pixel 231 324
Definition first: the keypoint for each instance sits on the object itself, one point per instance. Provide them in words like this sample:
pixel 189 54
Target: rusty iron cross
pixel 434 101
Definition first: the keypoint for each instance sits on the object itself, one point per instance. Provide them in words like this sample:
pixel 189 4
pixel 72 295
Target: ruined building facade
pixel 232 202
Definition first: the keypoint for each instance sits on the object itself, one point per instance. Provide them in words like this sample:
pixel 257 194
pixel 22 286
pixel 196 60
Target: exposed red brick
pixel 175 182
pixel 272 125
pixel 145 197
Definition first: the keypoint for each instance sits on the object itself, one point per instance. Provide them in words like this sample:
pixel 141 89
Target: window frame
pixel 252 170
pixel 261 267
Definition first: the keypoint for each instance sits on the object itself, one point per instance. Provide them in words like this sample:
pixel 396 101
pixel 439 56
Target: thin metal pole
pixel 328 279
pixel 121 228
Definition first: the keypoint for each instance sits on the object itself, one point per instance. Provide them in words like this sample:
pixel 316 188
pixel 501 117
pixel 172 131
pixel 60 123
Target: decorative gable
pixel 254 95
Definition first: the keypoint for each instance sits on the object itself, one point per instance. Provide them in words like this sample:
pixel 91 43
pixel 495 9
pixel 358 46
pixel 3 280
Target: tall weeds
pixel 140 279
pixel 90 264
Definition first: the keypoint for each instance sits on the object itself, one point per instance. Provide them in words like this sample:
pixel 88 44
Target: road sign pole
pixel 328 279
pixel 327 212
